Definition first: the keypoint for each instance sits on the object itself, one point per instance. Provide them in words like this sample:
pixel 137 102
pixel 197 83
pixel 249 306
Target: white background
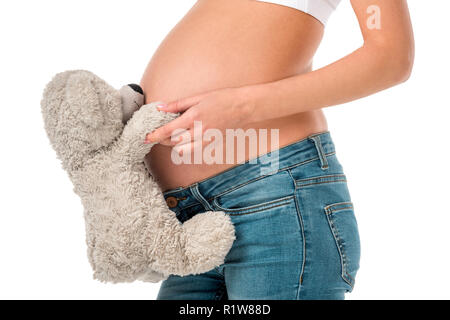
pixel 393 146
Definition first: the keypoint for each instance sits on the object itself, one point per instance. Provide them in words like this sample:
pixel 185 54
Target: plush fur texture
pixel 130 232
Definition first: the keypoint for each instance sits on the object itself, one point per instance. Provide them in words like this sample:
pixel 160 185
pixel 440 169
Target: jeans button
pixel 172 202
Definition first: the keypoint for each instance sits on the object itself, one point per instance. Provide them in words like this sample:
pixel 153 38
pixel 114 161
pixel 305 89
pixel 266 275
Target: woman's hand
pixel 220 109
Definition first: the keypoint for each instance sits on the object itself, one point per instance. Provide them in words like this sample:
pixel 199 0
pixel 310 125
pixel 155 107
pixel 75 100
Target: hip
pixel 293 215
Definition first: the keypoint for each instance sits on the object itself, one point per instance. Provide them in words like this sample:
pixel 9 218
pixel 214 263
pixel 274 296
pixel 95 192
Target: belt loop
pixel 199 197
pixel 320 151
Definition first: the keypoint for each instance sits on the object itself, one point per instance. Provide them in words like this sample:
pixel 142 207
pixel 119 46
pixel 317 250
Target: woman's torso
pixel 231 43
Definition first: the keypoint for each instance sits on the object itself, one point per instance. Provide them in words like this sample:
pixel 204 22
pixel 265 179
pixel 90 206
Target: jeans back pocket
pixel 342 221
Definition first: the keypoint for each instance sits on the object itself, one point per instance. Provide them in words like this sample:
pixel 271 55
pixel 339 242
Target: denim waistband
pixel 311 148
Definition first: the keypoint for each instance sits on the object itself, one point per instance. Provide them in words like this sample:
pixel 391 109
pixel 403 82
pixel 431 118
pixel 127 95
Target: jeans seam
pixel 346 204
pixel 341 209
pixel 344 274
pixel 319 147
pixel 323 182
pixel 220 292
pixel 260 210
pixel 268 175
pixel 173 191
pixel 287 169
pixel 250 181
pixel 302 230
pixel 178 189
pixel 309 160
pixel 198 196
pixel 340 175
pixel 287 146
pixel 260 207
pixel 317 180
pixel 239 186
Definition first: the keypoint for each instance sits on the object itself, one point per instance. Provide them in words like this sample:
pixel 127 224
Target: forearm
pixel 366 71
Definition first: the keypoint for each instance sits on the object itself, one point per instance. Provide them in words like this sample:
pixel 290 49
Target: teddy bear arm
pixel 144 121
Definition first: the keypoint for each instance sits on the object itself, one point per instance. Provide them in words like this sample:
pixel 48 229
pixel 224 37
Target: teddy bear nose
pixel 136 88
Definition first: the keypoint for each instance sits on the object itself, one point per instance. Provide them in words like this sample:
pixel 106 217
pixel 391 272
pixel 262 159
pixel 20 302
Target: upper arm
pixel 386 27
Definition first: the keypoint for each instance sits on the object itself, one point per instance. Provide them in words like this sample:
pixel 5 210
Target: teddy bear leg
pixel 209 237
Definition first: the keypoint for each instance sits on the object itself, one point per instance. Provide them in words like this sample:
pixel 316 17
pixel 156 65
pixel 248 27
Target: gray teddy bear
pixel 130 232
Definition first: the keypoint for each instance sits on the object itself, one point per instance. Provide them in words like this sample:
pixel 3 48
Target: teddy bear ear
pixel 83 99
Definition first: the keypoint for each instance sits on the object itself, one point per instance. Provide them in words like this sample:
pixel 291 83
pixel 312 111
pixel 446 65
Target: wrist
pixel 248 103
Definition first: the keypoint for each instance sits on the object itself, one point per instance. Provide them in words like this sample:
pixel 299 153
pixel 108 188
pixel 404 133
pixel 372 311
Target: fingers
pixel 180 105
pixel 182 137
pixel 177 138
pixel 189 149
pixel 165 132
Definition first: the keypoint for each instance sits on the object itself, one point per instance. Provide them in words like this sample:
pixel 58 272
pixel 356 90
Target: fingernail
pixel 161 106
pixel 148 139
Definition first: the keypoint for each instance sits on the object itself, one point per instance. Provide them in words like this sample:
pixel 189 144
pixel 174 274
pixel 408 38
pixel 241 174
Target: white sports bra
pixel 319 9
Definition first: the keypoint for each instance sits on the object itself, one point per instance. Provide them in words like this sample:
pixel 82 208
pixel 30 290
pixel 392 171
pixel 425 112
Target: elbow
pixel 402 66
pixel 392 63
pixel 398 65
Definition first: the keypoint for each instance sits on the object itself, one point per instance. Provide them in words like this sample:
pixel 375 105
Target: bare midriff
pixel 226 44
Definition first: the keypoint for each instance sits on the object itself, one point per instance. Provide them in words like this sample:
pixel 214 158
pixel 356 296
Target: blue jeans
pixel 296 232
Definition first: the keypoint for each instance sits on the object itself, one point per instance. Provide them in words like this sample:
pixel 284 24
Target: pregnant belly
pixel 231 43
